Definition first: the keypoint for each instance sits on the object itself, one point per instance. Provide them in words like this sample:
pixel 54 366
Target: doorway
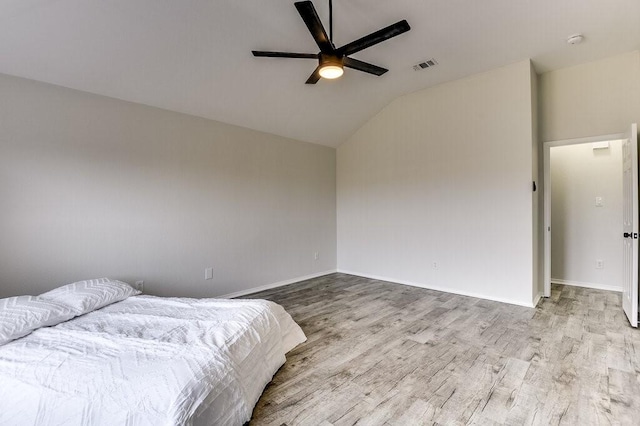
pixel 628 222
pixel 586 215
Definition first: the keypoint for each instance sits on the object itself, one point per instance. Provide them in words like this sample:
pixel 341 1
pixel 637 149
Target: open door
pixel 630 226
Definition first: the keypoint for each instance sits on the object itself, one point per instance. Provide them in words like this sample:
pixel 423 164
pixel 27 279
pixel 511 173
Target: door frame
pixel 546 146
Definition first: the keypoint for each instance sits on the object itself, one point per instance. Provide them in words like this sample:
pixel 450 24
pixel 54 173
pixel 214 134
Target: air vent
pixel 426 64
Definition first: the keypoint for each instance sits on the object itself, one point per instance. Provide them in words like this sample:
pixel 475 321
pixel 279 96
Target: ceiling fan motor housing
pixel 326 60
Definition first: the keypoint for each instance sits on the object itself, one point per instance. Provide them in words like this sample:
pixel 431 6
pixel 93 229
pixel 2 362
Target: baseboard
pixel 536 300
pixel 594 286
pixel 274 285
pixel 444 290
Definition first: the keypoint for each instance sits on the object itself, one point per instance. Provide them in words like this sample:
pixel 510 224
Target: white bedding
pixel 147 361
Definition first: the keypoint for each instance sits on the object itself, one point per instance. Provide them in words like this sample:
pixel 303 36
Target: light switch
pixel 599 202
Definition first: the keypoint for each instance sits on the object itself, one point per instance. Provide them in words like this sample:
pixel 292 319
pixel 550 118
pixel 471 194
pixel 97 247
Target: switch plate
pixel 140 285
pixel 208 274
pixel 599 202
pixel 316 255
pixel 599 264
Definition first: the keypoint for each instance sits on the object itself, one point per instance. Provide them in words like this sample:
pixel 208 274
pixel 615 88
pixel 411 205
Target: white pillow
pixel 87 296
pixel 21 315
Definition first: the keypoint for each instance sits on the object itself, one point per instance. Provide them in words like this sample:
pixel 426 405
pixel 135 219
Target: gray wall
pixel 92 186
pixel 435 190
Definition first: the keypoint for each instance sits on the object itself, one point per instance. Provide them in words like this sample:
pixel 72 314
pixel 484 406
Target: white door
pixel 630 226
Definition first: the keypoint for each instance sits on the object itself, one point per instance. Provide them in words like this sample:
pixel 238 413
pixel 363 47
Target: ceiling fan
pixel 331 61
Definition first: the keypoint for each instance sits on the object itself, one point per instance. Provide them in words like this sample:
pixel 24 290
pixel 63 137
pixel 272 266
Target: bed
pixel 142 360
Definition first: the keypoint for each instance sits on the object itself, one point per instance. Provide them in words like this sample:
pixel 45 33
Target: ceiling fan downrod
pixel 331 21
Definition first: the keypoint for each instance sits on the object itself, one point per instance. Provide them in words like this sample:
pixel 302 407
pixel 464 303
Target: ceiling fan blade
pixel 310 17
pixel 260 53
pixel 314 77
pixel 364 66
pixel 374 38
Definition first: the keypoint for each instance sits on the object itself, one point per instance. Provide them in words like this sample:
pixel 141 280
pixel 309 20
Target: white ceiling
pixel 194 56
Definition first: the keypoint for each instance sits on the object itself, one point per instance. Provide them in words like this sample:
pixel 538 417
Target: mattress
pixel 147 361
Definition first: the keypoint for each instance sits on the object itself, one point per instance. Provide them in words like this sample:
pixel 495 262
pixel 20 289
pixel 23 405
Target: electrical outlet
pixel 599 264
pixel 316 255
pixel 140 285
pixel 208 274
pixel 434 265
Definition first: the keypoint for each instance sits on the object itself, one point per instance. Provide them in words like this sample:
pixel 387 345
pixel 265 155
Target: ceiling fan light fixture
pixel 330 67
pixel 331 71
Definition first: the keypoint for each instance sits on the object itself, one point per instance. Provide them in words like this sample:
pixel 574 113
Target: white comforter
pixel 147 361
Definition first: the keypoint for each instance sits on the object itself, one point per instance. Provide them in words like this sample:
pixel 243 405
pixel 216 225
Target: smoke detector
pixel 575 39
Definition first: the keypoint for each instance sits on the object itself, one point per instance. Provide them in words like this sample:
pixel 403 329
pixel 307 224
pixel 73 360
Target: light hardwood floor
pixel 380 353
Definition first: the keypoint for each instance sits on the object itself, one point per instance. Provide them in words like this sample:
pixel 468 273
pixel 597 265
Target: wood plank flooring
pixel 380 353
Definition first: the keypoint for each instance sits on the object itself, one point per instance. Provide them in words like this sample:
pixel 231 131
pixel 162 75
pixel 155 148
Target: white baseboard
pixel 274 285
pixel 445 290
pixel 537 299
pixel 595 286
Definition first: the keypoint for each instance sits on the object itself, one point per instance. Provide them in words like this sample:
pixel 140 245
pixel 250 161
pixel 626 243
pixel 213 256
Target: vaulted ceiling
pixel 194 56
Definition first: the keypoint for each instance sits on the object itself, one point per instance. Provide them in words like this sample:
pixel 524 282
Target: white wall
pixel 120 189
pixel 581 232
pixel 444 176
pixel 92 186
pixel 593 99
pixel 537 289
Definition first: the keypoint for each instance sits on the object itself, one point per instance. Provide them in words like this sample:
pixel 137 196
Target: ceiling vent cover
pixel 426 64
